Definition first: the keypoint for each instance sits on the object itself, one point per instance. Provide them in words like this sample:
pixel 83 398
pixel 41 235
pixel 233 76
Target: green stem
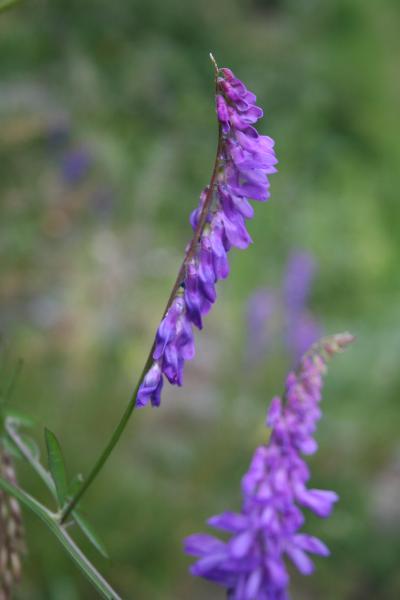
pixel 106 452
pixel 51 521
pixel 178 282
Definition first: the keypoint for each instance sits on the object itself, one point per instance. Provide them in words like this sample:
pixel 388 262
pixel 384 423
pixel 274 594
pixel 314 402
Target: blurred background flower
pixel 283 313
pixel 86 267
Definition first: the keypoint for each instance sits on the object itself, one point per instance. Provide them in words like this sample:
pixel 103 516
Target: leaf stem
pixel 178 282
pixel 50 520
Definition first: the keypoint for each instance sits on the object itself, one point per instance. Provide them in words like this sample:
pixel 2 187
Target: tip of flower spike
pixel 214 62
pixel 344 339
pixel 336 343
pixel 331 344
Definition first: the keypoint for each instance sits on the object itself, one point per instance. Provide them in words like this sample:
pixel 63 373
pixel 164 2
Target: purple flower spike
pixel 250 565
pixel 244 162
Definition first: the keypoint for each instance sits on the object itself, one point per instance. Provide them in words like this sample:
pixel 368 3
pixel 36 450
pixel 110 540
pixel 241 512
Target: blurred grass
pixel 86 266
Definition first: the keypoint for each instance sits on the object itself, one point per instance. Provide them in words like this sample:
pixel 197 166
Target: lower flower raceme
pixel 251 563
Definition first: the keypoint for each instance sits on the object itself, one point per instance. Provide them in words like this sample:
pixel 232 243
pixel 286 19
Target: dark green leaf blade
pixel 89 533
pixel 57 466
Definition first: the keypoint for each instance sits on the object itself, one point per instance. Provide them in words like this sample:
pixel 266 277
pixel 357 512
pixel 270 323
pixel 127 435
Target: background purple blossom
pixel 283 312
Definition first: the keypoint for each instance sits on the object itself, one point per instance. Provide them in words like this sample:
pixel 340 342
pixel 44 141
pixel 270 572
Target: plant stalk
pixel 51 521
pixel 178 282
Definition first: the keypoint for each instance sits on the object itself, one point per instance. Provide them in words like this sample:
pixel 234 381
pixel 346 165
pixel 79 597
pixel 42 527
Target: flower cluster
pixel 250 565
pixel 244 161
pixel 11 532
pixel 302 328
pixel 285 308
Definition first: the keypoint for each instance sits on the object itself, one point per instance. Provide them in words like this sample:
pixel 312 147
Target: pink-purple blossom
pixel 250 564
pixel 244 162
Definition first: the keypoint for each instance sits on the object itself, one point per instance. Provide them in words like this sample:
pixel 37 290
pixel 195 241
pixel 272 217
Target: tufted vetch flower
pixel 250 564
pixel 244 161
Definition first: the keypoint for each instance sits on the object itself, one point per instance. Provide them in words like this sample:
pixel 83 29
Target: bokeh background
pixel 107 137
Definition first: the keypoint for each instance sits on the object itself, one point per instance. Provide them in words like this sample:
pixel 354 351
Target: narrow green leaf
pixel 56 466
pixel 89 533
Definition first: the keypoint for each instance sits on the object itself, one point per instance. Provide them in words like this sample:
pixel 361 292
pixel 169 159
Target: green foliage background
pixel 85 270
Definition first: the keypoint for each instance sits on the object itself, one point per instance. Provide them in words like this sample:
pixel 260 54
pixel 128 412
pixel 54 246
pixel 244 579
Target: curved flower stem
pixel 51 521
pixel 131 404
